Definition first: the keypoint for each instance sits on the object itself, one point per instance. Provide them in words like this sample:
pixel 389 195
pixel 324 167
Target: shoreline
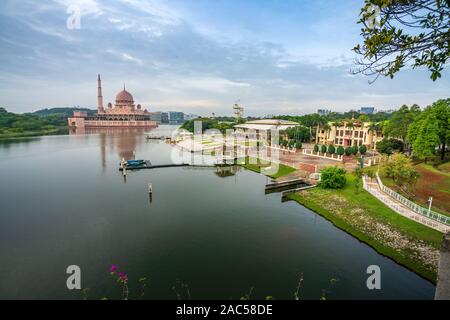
pixel 385 250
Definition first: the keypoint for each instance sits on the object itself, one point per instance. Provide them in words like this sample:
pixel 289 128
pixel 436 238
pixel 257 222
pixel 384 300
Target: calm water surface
pixel 63 202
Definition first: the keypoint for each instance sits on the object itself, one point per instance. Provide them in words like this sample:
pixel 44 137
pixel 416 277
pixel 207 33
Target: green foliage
pixel 433 121
pixel 363 149
pixel 340 150
pixel 427 138
pixel 389 146
pixel 300 133
pixel 316 148
pixel 291 143
pixel 348 151
pixel 400 169
pixel 355 150
pixel 209 124
pixel 298 145
pixel 332 178
pixel 405 33
pixel 397 126
pixel 323 148
pixel 12 124
pixel 331 149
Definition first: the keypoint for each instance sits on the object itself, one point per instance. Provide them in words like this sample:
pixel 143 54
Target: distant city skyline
pixel 196 56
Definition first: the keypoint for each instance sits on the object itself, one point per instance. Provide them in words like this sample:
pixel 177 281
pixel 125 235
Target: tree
pixel 316 148
pixel 398 33
pixel 298 145
pixel 397 126
pixel 389 146
pixel 332 178
pixel 331 149
pixel 340 150
pixel 291 143
pixel 427 138
pixel 355 150
pixel 363 149
pixel 438 112
pixel 400 169
pixel 348 151
pixel 323 149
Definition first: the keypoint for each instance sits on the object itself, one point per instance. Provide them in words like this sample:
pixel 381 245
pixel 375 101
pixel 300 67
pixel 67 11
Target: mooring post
pixel 443 281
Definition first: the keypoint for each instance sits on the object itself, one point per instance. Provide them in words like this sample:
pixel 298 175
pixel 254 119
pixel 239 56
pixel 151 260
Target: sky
pixel 196 56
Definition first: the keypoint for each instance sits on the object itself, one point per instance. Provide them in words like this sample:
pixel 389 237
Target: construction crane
pixel 238 110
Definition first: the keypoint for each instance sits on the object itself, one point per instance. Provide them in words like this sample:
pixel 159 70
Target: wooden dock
pixel 149 165
pixel 279 186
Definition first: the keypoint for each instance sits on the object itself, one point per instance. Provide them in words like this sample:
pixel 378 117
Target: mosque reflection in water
pixel 126 141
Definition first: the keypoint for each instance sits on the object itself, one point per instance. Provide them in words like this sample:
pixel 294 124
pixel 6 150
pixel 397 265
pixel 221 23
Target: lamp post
pixel 430 200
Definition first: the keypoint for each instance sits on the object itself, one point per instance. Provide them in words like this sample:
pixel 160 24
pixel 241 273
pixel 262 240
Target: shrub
pixel 348 151
pixel 316 148
pixel 355 150
pixel 389 146
pixel 363 149
pixel 340 150
pixel 331 149
pixel 291 143
pixel 323 149
pixel 298 145
pixel 332 178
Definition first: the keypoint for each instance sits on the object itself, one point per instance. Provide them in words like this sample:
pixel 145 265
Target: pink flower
pixel 113 268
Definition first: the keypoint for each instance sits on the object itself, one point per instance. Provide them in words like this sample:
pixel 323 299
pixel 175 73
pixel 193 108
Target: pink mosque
pixel 123 114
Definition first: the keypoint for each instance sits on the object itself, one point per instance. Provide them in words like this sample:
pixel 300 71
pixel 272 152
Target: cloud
pixel 273 56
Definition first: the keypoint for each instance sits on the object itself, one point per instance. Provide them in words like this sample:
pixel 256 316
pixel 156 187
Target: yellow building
pixel 349 133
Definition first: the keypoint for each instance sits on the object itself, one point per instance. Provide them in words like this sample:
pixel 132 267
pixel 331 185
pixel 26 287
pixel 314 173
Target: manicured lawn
pixel 365 217
pixel 432 182
pixel 257 165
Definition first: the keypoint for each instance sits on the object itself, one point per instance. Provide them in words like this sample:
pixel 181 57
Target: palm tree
pixel 351 125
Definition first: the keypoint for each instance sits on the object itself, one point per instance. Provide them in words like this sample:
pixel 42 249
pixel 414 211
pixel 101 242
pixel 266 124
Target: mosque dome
pixel 124 97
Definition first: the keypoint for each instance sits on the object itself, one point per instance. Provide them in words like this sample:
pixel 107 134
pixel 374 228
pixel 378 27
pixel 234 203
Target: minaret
pixel 100 97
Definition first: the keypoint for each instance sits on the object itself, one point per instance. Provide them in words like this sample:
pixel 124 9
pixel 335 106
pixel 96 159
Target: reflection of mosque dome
pixel 124 97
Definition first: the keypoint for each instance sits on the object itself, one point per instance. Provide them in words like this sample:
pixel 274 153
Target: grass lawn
pixel 433 182
pixel 366 218
pixel 445 167
pixel 257 165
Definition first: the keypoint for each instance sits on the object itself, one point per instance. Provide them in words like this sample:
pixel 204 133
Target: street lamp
pixel 430 200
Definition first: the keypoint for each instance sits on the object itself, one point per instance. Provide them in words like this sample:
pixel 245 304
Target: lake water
pixel 64 202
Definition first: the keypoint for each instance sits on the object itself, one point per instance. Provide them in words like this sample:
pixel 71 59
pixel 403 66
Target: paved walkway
pixel 400 208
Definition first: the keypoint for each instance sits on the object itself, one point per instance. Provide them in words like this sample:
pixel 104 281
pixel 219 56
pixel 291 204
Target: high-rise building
pixel 176 117
pixel 367 110
pixel 323 112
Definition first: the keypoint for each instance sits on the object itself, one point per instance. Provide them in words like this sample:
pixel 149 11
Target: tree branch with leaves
pixel 399 33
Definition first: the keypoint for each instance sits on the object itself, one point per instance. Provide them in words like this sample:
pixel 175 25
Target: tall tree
pixel 397 126
pixel 403 32
pixel 427 138
pixel 438 112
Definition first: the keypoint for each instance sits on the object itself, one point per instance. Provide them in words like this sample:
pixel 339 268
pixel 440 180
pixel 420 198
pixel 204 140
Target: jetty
pixel 157 137
pixel 146 164
pixel 289 185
